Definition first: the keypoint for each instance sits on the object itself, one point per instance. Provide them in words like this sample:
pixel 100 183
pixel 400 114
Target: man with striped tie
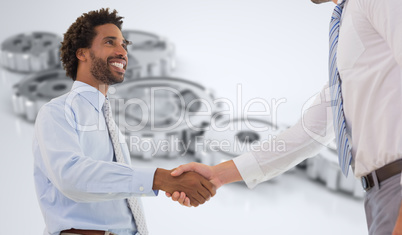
pixel 365 90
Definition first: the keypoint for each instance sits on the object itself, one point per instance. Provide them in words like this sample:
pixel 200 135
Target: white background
pixel 274 49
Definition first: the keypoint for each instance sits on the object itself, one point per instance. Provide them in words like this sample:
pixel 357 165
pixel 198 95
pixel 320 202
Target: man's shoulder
pixel 58 102
pixel 56 105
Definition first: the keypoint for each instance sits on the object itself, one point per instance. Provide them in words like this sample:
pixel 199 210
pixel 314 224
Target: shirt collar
pixel 90 93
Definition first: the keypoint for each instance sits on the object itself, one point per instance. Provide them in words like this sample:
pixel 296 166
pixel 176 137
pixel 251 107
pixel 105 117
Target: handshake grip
pixel 197 188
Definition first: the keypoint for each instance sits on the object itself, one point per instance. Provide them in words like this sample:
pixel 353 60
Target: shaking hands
pixel 195 187
pixel 218 175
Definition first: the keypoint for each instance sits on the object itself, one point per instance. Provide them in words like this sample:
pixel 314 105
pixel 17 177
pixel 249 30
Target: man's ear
pixel 81 54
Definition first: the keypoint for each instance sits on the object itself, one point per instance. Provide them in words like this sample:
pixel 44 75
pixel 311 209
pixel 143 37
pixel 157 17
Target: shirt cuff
pixel 249 169
pixel 143 180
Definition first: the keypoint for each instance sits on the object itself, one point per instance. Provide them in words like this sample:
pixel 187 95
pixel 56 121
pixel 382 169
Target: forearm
pixel 161 177
pixel 92 181
pixel 61 159
pixel 305 139
pixel 226 172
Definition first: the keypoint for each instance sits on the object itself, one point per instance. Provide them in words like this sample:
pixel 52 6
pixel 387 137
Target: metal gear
pixel 30 52
pixel 161 110
pixel 324 167
pixel 231 138
pixel 148 55
pixel 37 89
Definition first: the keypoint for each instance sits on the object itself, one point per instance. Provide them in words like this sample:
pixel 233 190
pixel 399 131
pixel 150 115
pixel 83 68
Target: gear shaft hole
pixel 247 137
pixel 59 87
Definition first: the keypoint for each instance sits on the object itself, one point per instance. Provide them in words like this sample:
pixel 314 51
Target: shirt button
pixel 141 188
pixel 143 195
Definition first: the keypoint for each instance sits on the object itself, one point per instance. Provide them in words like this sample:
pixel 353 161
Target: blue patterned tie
pixel 343 140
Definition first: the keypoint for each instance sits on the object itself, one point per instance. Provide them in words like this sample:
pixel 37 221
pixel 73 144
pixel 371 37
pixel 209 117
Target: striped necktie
pixel 133 203
pixel 343 140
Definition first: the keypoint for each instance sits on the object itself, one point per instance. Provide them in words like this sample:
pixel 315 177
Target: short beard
pixel 320 1
pixel 101 72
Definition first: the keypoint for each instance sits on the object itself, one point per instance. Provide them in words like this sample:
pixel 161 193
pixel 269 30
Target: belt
pixel 382 173
pixel 85 232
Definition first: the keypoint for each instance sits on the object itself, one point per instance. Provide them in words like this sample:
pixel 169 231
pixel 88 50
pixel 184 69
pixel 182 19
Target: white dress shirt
pixel 370 66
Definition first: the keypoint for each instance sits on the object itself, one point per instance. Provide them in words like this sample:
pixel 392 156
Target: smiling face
pixel 108 55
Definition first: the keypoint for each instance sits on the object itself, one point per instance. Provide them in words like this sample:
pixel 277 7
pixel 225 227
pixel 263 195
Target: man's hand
pixel 207 171
pixel 196 188
pixel 398 225
pixel 204 170
pixel 218 175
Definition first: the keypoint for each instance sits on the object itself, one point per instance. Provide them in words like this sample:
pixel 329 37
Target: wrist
pixel 160 177
pixel 226 173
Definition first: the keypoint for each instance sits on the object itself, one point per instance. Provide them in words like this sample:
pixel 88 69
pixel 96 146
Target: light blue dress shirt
pixel 77 182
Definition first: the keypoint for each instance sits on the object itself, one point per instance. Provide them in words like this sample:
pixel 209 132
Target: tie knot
pixel 108 114
pixel 338 10
pixel 106 106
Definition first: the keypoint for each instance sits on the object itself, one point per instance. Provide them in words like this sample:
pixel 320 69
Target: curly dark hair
pixel 81 34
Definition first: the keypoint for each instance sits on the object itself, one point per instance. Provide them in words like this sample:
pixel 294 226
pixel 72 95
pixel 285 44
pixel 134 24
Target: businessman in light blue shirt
pixel 81 188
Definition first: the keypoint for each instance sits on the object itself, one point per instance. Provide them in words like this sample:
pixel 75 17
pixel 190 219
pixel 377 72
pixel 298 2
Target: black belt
pixel 383 173
pixel 84 232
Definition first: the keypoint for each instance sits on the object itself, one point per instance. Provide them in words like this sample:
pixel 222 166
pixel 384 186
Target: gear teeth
pixel 167 106
pixel 37 89
pixel 150 55
pixel 324 168
pixel 31 109
pixel 30 52
pixel 242 133
pixel 16 101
